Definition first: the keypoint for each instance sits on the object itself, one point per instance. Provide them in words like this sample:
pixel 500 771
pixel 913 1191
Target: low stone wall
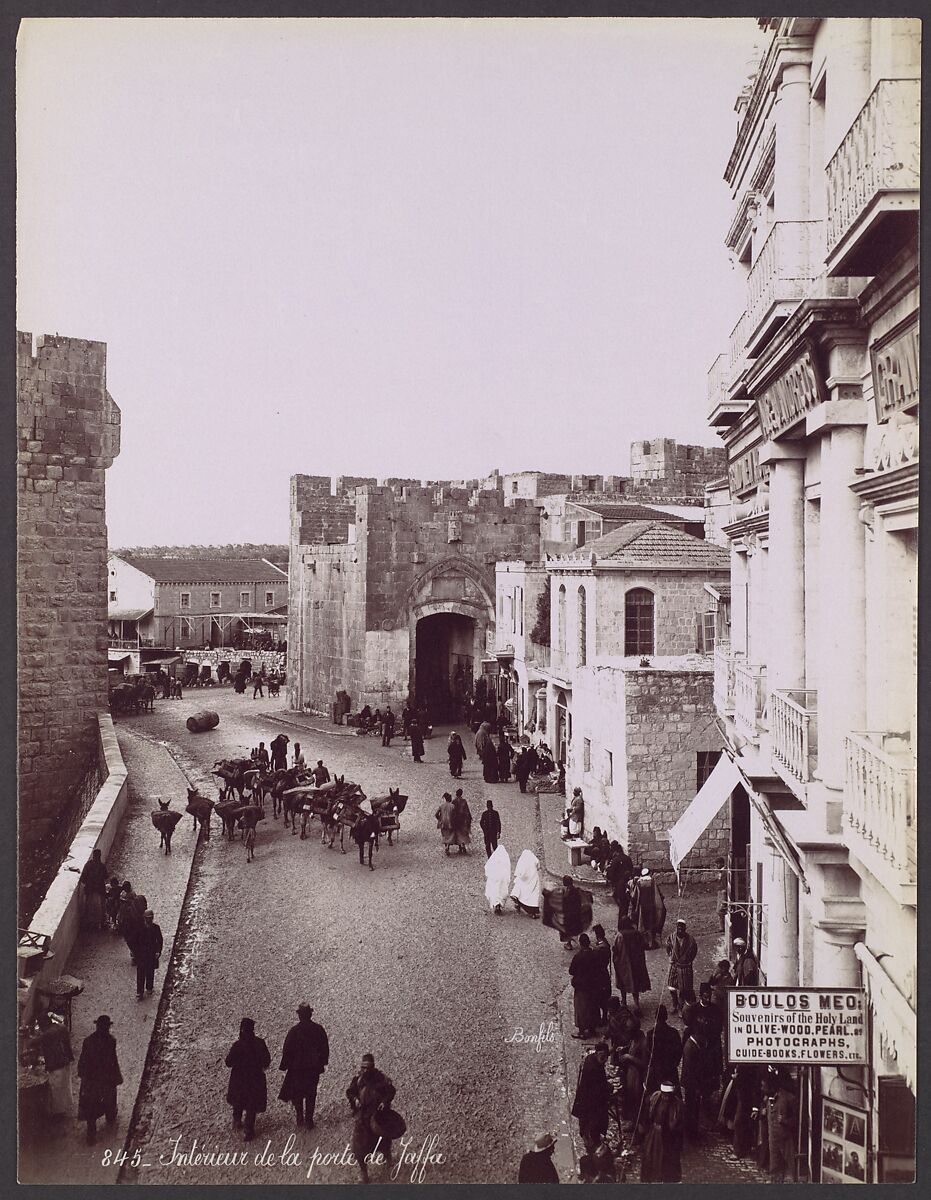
pixel 59 915
pixel 274 660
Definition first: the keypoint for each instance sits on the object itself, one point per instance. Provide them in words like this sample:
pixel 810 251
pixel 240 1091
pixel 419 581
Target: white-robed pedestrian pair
pixel 526 890
pixel 497 878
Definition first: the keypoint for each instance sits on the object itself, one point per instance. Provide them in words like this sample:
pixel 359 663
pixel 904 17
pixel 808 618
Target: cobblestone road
pixel 405 961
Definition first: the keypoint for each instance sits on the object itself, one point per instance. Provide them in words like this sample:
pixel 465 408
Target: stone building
pixel 68 434
pixel 183 603
pixel 393 590
pixel 817 403
pixel 629 697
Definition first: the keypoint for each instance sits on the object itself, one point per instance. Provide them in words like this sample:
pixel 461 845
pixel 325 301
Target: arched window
pixel 561 618
pixel 638 622
pixel 581 627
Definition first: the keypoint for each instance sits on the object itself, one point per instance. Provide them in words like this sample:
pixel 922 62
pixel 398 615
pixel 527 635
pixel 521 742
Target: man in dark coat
pixel 630 963
pixel 706 1020
pixel 99 1072
pixel 522 768
pixel 618 873
pixel 661 1158
pixel 320 773
pixel 601 948
pixel 665 1051
pixel 485 749
pixel 593 1097
pixel 278 748
pixel 94 880
pixel 407 715
pixel 490 822
pixel 368 1093
pixel 537 1164
pixel 504 756
pixel 746 968
pixel 387 728
pixel 682 950
pixel 647 908
pixel 148 952
pixel 248 1061
pixel 304 1057
pixel 416 741
pixel 585 973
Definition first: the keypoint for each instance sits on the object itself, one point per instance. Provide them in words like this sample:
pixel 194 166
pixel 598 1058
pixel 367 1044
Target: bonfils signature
pixel 547 1033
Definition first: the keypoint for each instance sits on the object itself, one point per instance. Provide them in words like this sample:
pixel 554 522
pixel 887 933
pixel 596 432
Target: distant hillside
pixel 275 554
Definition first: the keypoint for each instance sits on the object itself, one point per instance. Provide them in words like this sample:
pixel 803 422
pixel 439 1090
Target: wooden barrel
pixel 203 720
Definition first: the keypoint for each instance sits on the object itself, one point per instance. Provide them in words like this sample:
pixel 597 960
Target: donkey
pixel 165 822
pixel 201 809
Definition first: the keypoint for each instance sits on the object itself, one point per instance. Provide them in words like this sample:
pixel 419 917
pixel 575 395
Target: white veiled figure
pixel 497 878
pixel 526 889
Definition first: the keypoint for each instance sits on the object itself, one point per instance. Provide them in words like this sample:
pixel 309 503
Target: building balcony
pixel 737 363
pixel 779 279
pixel 793 724
pixel 123 643
pixel 749 698
pixel 880 810
pixel 722 410
pixel 873 181
pixel 723 677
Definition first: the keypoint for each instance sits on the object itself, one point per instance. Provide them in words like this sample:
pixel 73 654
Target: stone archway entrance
pixel 444 664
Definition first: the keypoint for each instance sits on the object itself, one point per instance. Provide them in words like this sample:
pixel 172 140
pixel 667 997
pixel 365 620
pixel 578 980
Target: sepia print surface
pixel 538 802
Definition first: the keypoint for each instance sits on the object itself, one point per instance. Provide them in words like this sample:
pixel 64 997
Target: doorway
pixel 444 665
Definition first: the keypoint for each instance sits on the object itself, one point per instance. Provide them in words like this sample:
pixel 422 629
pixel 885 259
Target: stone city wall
pixel 669 718
pixel 68 430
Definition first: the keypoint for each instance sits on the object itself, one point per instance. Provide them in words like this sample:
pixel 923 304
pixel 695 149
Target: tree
pixel 541 630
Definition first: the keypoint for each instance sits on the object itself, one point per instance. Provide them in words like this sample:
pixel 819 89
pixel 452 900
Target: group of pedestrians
pixel 525 888
pixel 114 905
pixel 304 1058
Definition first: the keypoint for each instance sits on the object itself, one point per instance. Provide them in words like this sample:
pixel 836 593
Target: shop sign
pixel 745 472
pixel 895 372
pixel 797 392
pixel 813 1026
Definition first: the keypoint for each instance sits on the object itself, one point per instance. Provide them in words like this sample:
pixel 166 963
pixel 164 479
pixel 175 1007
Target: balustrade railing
pixel 880 801
pixel 879 154
pixel 723 676
pixel 540 655
pixel 717 382
pixel 123 643
pixel 749 697
pixel 737 350
pixel 793 723
pixel 782 272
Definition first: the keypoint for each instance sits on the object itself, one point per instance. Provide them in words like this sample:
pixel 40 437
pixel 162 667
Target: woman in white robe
pixel 497 878
pixel 526 890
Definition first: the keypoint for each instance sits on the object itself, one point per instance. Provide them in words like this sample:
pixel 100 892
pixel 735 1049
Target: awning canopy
pixel 894 1016
pixel 720 591
pixel 117 656
pixel 704 808
pixel 127 614
pixel 159 660
pixel 774 831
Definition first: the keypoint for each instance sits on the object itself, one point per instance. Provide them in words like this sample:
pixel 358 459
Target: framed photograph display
pixel 844 1143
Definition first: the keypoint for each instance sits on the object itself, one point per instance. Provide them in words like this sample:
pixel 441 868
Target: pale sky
pixel 421 248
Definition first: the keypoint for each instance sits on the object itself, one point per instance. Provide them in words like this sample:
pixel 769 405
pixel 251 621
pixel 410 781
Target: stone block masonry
pixel 68 434
pixel 669 721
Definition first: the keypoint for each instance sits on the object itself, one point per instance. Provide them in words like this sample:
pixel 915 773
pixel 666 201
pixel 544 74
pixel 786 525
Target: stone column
pixel 739 577
pixel 841 676
pixel 786 570
pixel 834 963
pixel 782 935
pixel 792 132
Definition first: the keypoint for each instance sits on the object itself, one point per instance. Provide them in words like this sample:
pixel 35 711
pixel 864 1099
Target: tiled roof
pixel 206 570
pixel 655 544
pixel 625 512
